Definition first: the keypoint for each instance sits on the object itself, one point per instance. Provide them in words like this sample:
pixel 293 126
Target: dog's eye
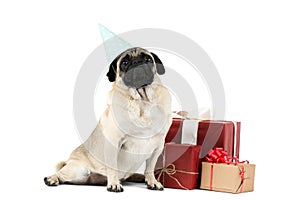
pixel 148 59
pixel 124 63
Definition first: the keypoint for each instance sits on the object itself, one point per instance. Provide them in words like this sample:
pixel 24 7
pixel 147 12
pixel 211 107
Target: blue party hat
pixel 113 44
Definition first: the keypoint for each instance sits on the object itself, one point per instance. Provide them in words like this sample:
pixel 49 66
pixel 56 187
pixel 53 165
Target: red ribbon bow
pixel 218 155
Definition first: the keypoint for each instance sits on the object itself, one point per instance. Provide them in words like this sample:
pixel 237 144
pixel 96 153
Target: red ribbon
pixel 242 174
pixel 218 155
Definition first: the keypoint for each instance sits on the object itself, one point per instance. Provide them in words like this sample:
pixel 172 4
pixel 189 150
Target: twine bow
pixel 170 170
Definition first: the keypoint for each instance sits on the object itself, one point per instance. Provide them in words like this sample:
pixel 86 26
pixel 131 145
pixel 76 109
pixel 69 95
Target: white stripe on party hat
pixel 113 44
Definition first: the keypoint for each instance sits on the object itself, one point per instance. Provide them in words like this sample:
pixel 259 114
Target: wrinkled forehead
pixel 134 52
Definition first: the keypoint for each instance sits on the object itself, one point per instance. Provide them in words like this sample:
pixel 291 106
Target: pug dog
pixel 130 132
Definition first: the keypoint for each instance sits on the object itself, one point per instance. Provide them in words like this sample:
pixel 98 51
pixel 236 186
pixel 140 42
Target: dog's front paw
pixel 115 187
pixel 154 185
pixel 51 180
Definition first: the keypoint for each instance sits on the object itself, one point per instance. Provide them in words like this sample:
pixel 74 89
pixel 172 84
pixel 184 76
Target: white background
pixel 254 44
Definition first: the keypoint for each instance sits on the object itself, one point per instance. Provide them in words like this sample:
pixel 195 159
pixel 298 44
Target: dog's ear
pixel 159 66
pixel 112 72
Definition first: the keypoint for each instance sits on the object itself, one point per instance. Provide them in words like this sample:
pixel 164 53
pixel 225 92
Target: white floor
pixel 131 191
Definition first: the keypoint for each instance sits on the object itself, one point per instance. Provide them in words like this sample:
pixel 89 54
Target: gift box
pixel 179 166
pixel 174 133
pixel 225 174
pixel 224 134
pixel 207 133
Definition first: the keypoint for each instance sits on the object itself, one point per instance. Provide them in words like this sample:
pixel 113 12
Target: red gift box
pixel 224 134
pixel 210 134
pixel 174 133
pixel 180 166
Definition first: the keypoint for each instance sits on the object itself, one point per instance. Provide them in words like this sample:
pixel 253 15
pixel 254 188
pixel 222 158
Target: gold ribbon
pixel 170 170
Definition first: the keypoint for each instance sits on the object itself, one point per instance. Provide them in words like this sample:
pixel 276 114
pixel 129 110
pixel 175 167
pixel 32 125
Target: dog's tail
pixel 60 165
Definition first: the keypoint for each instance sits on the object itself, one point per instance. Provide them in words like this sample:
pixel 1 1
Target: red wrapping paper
pixel 180 166
pixel 175 131
pixel 225 131
pixel 228 135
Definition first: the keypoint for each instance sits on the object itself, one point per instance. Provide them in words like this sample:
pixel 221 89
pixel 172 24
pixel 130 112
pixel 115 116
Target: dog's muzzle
pixel 138 76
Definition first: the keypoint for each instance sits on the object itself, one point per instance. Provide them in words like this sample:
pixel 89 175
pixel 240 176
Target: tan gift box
pixel 227 177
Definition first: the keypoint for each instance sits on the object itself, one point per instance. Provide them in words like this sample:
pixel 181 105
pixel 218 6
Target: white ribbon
pixel 190 125
pixel 189 132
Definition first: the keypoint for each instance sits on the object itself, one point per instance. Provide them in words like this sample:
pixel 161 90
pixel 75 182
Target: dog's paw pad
pixel 155 186
pixel 51 180
pixel 115 188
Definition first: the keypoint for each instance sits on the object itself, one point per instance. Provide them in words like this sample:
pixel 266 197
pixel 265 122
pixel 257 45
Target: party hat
pixel 113 44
